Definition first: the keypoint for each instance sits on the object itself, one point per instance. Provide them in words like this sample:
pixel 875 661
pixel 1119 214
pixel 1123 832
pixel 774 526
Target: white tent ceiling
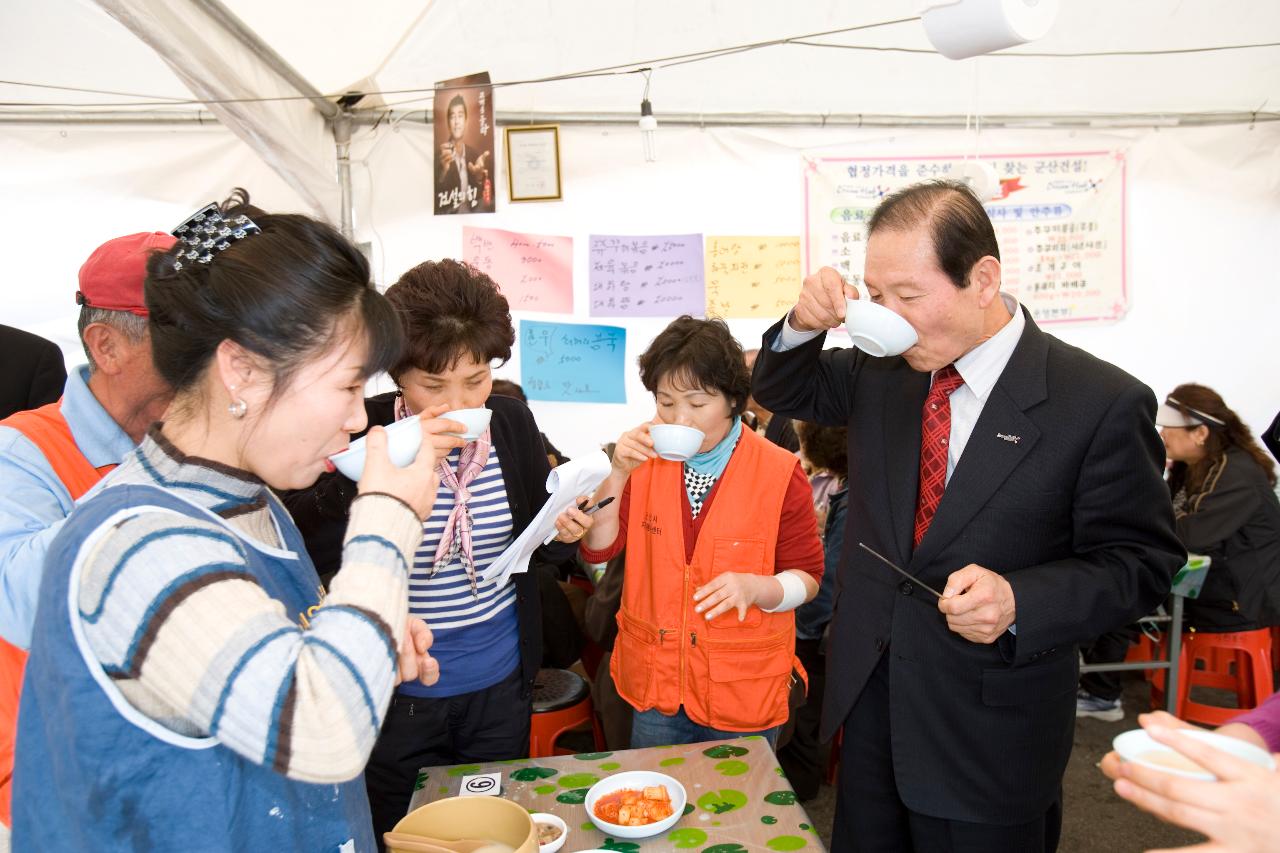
pixel 410 44
pixel 254 65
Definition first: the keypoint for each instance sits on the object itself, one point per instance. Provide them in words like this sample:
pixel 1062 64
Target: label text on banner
pixel 573 362
pixel 1059 220
pixel 646 276
pixel 534 271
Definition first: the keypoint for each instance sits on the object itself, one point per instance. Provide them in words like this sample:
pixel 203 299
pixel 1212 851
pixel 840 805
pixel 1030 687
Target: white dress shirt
pixel 980 367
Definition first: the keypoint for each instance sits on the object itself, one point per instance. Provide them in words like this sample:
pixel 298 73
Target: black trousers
pixel 870 816
pixel 488 725
pixel 804 757
pixel 1111 647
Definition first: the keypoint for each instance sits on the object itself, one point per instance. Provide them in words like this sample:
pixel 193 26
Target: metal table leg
pixel 1175 656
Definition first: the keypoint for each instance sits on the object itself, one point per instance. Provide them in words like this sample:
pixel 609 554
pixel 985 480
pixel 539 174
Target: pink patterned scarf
pixel 455 539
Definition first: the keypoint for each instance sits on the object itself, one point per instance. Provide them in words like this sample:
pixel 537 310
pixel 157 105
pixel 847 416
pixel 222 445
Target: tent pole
pixel 342 140
pixel 241 32
pixel 367 117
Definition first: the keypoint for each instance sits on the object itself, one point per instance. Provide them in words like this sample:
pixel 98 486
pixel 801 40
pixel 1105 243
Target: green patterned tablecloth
pixel 739 799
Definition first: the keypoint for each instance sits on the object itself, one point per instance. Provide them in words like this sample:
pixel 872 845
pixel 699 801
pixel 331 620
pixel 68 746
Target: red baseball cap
pixel 112 278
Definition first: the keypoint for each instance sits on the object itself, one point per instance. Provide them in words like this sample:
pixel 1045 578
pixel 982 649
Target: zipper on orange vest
pixel 684 609
pixel 662 635
pixel 693 639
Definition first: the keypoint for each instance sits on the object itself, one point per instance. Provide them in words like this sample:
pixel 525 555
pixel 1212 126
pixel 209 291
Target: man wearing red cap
pixel 51 456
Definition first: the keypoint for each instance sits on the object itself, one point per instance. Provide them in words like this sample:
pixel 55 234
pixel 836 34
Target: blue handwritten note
pixel 573 362
pixel 646 276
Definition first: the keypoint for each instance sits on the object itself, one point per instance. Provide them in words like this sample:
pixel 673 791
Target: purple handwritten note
pixel 659 276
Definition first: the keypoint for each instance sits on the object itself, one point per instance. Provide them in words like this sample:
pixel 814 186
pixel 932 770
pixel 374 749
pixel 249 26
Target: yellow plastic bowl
pixel 486 818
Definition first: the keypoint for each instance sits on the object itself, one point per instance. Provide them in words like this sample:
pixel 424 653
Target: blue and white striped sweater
pixel 199 645
pixel 476 636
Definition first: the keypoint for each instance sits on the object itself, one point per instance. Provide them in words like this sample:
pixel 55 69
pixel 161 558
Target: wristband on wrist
pixel 793 593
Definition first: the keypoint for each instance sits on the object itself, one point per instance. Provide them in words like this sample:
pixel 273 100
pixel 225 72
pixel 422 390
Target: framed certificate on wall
pixel 533 162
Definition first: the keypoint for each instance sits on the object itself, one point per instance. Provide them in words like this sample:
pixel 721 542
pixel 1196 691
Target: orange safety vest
pixel 47 429
pixel 729 675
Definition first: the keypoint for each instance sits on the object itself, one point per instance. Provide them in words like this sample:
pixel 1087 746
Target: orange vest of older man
pixel 51 456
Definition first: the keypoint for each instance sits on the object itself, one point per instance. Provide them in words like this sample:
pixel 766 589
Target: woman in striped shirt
pixel 181 644
pixel 488 637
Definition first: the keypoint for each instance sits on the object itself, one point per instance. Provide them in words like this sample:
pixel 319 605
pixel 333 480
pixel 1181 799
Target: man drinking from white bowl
pixel 1017 476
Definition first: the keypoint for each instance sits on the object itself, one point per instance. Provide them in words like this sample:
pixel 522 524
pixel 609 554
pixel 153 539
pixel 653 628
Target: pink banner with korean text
pixel 534 271
pixel 1059 217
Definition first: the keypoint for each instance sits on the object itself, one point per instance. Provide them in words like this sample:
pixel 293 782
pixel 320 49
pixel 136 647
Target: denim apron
pixel 94 773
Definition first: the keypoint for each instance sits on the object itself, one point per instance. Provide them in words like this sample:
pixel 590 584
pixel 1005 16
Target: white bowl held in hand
pixel 475 420
pixel 675 442
pixel 403 440
pixel 876 330
pixel 636 780
pixel 1139 747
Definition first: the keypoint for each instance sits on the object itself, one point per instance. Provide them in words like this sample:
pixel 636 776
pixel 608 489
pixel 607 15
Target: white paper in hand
pixel 579 476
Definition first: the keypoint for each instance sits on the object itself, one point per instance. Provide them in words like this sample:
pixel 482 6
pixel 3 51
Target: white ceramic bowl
pixel 475 420
pixel 403 440
pixel 675 442
pixel 876 330
pixel 636 779
pixel 546 817
pixel 1139 747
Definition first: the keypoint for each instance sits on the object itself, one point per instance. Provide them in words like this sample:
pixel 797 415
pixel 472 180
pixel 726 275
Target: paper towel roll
pixel 962 28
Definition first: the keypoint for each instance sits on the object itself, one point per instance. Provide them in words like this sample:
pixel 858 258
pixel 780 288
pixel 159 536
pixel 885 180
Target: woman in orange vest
pixel 721 546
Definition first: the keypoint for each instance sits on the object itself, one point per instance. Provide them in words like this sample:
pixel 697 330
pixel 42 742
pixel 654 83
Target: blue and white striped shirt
pixel 476 635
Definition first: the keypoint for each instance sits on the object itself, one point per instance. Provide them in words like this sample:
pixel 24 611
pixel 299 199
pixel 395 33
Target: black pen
pixel 604 503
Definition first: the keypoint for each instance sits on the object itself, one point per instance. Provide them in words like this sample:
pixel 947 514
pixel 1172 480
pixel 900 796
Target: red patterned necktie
pixel 935 435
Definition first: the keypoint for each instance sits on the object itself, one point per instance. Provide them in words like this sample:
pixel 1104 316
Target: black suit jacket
pixel 33 372
pixel 1059 489
pixel 1271 437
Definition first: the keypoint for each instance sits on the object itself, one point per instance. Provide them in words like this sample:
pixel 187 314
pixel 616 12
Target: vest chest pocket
pixel 749 682
pixel 735 554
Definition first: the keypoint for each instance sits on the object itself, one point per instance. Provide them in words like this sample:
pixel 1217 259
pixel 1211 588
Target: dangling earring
pixel 237 407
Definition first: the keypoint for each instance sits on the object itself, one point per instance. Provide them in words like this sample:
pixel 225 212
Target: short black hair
pixel 285 295
pixel 703 353
pixel 448 309
pixel 958 224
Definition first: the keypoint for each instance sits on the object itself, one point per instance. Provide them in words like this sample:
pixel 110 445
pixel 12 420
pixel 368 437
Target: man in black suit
pixel 459 179
pixel 1051 526
pixel 1271 437
pixel 33 372
pixel 779 431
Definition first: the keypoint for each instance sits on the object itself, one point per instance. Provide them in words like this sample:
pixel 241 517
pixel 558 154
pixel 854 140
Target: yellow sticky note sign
pixel 752 276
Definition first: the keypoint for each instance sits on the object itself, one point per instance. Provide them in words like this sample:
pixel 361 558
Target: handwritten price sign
pixel 573 362
pixel 646 276
pixel 534 271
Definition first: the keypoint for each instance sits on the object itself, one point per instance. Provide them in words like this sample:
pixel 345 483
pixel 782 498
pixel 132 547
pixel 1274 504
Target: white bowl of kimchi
pixel 635 804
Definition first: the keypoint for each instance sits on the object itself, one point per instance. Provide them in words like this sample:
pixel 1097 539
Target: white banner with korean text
pixel 1059 219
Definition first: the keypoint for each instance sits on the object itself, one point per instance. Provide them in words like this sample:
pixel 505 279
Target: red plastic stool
pixel 1144 650
pixel 1251 681
pixel 561 701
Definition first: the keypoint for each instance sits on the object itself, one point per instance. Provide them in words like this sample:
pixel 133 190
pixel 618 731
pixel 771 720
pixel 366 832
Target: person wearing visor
pixel 1224 504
